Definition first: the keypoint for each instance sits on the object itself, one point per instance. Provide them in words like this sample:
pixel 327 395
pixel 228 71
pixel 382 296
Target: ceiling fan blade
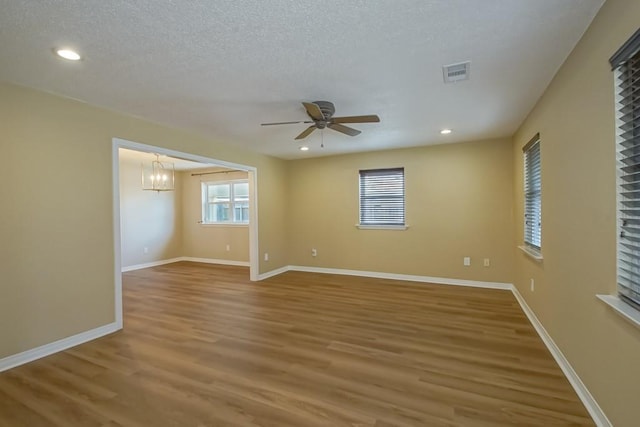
pixel 344 129
pixel 357 119
pixel 306 132
pixel 313 110
pixel 285 123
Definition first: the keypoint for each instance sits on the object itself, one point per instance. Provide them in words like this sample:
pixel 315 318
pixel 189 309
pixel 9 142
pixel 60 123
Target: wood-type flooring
pixel 204 346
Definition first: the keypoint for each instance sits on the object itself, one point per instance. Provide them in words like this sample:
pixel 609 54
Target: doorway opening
pixel 211 228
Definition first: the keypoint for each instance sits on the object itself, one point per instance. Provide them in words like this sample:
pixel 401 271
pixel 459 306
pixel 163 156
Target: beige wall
pixel 576 121
pixel 148 219
pixel 210 241
pixel 56 228
pixel 458 203
pixel 56 256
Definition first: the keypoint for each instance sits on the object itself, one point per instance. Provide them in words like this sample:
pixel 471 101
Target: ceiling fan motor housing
pixel 321 115
pixel 327 109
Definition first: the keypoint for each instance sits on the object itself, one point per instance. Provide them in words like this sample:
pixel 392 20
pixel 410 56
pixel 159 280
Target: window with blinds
pixel 382 197
pixel 532 194
pixel 626 65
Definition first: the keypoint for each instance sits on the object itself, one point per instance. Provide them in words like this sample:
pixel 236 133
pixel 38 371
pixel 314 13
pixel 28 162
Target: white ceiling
pixel 220 68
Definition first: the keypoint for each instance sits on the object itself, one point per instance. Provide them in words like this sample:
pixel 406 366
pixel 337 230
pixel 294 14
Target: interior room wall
pixel 459 200
pixel 148 219
pixel 57 254
pixel 206 240
pixel 576 121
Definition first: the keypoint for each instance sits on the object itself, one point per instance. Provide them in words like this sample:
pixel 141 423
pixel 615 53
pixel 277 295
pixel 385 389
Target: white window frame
pixel 232 203
pixel 532 219
pixel 363 223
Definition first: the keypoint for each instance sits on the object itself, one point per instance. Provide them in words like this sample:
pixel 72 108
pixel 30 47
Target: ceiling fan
pixel 321 114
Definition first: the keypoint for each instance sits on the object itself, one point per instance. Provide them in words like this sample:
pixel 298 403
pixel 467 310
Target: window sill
pixel 223 224
pixel 382 227
pixel 622 308
pixel 532 253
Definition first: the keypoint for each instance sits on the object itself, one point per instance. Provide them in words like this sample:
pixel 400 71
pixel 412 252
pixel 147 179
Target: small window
pixel 382 197
pixel 532 195
pixel 225 202
pixel 626 64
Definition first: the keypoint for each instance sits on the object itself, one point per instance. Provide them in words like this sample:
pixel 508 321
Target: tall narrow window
pixel 626 64
pixel 532 195
pixel 382 197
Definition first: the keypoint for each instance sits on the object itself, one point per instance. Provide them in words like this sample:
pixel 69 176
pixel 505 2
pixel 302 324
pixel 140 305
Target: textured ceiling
pixel 220 68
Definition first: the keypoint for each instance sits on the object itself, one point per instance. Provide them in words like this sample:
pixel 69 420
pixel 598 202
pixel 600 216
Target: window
pixel 225 202
pixel 382 197
pixel 626 63
pixel 532 195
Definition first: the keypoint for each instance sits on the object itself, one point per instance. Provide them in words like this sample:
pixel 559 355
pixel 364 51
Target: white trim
pixel 215 261
pixel 117 243
pixel 532 253
pixel 395 276
pixel 274 272
pixel 56 346
pixel 406 277
pixel 151 264
pixel 623 309
pixel 223 224
pixel 382 227
pixel 581 390
pixel 254 247
pixel 186 258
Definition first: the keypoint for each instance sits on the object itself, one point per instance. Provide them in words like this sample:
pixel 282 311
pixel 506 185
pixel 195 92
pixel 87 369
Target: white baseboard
pixel 583 393
pixel 150 264
pixel 405 277
pixel 184 258
pixel 56 346
pixel 216 261
pixel 273 272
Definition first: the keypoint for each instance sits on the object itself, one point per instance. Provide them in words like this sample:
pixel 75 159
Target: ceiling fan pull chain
pixel 322 138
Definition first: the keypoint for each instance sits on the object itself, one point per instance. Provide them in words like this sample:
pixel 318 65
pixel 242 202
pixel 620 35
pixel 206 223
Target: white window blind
pixel 382 197
pixel 532 194
pixel 626 63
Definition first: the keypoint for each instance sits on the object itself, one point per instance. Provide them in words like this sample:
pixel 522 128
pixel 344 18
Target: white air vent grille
pixel 456 72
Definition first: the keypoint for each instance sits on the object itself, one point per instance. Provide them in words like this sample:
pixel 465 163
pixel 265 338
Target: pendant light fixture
pixel 158 176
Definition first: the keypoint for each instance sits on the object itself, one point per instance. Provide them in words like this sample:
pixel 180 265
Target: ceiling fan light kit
pixel 321 115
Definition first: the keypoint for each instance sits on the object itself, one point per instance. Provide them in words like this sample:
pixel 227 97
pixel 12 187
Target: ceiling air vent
pixel 456 72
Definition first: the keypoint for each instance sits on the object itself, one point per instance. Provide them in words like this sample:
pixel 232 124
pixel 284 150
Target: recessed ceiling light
pixel 445 131
pixel 68 54
pixel 304 148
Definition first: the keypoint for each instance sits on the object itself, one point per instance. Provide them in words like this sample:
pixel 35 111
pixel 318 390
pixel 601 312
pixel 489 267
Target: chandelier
pixel 158 176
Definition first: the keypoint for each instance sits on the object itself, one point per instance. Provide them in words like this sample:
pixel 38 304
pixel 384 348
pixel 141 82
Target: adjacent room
pixel 381 213
pixel 194 212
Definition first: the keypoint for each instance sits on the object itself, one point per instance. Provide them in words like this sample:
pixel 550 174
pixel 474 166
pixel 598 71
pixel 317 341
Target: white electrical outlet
pixel 487 262
pixel 533 285
pixel 266 256
pixel 314 252
pixel 145 250
pixel 466 261
pixel 228 248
